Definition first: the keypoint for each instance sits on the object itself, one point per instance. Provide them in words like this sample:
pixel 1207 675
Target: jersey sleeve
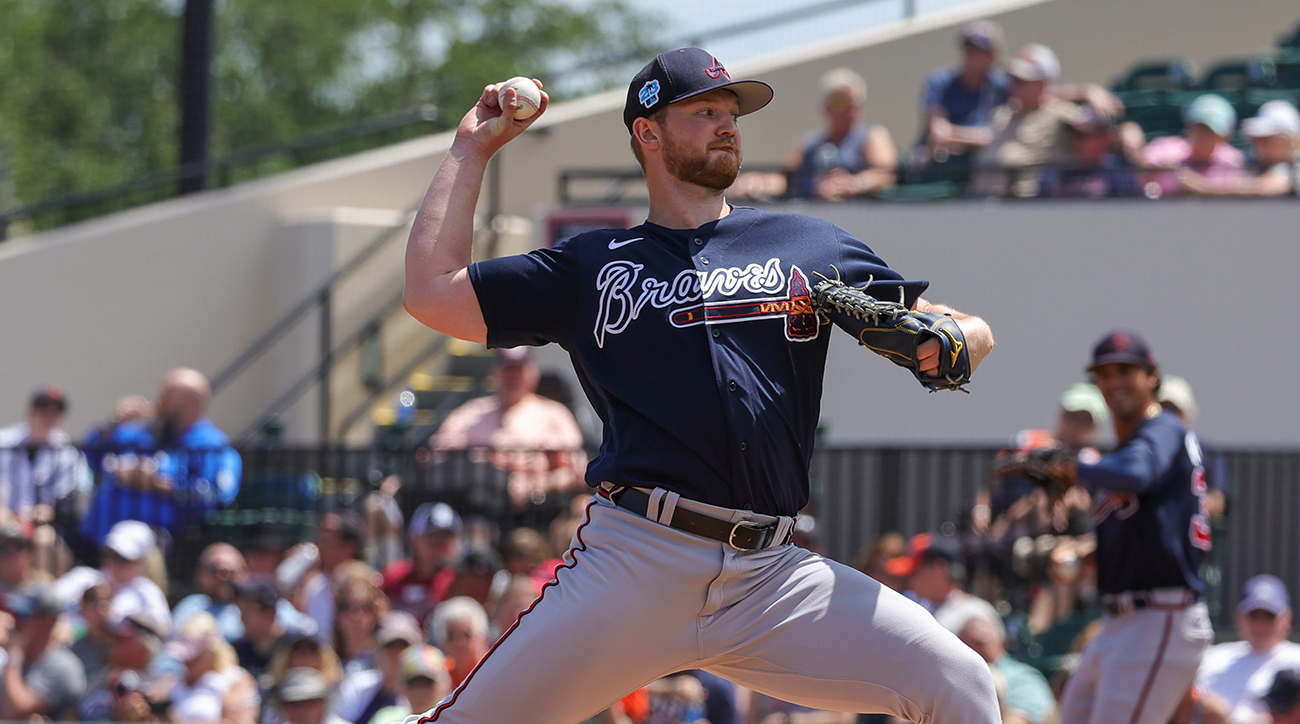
pixel 1137 465
pixel 529 299
pixel 859 265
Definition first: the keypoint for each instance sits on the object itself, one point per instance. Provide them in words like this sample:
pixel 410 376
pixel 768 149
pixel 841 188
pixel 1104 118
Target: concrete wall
pixel 1210 285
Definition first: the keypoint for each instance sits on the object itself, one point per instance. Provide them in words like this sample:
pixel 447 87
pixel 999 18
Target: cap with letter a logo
pixel 684 73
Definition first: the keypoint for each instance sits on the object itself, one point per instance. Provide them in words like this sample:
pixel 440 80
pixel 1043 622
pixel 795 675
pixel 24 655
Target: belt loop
pixel 670 507
pixel 652 508
pixel 784 527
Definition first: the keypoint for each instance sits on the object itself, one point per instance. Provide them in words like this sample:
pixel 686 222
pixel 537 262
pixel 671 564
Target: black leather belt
pixel 1124 603
pixel 745 535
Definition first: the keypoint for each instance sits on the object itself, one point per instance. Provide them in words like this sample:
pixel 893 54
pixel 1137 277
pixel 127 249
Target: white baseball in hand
pixel 530 96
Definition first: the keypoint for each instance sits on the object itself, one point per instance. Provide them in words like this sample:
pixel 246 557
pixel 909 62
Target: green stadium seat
pixel 1238 74
pixel 1158 75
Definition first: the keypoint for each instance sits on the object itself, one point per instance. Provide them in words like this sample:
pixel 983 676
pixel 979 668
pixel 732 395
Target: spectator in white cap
pixel 213 688
pixel 1205 148
pixel 424 682
pixel 1274 135
pixel 424 580
pixel 1235 677
pixel 302 698
pixel 364 693
pixel 1030 131
pixel 125 559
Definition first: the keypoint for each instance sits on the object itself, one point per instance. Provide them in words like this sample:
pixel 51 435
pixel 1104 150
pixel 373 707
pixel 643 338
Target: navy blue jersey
pixel 1148 506
pixel 698 348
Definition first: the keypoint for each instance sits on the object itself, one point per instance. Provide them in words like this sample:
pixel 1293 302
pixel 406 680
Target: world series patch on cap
pixel 685 73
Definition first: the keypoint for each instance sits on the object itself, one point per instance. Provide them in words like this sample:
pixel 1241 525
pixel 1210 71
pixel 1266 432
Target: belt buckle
pixel 731 537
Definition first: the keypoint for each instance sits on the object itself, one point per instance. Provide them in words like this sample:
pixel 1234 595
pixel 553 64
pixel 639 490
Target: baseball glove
pixel 893 331
pixel 1050 467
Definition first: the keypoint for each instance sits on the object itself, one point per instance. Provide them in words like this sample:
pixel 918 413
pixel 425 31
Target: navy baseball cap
pixel 684 73
pixel 1285 692
pixel 1123 347
pixel 431 518
pixel 1264 593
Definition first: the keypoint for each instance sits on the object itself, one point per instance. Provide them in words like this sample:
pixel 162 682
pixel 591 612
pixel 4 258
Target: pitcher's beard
pixel 712 171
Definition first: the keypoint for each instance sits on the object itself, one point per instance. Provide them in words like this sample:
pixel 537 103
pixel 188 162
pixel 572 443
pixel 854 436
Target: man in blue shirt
pixel 167 472
pixel 958 101
pixel 1152 534
pixel 694 340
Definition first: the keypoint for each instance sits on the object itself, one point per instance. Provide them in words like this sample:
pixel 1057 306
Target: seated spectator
pixel 302 698
pixel 384 524
pixel 214 689
pixel 846 158
pixel 42 473
pixel 1274 134
pixel 221 567
pixel 135 648
pixel 537 439
pixel 518 595
pixel 958 102
pixel 764 709
pixel 677 699
pixel 360 605
pixel 1028 697
pixel 92 648
pixel 299 650
pixel 16 552
pixel 479 575
pixel 424 683
pixel 339 539
pixel 1239 674
pixel 43 679
pixel 263 628
pixel 525 552
pixel 934 571
pixel 1029 131
pixel 127 549
pixel 168 472
pixel 1093 169
pixel 873 557
pixel 1204 147
pixel 418 583
pixel 1283 697
pixel 364 693
pixel 459 628
pixel 128 408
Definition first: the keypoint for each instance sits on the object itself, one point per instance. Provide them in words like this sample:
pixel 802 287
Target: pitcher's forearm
pixel 442 236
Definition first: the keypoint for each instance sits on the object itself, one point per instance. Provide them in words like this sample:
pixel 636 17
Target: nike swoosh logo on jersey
pixel 616 243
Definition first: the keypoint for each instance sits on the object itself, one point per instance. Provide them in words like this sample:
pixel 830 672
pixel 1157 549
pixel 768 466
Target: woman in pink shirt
pixel 1203 148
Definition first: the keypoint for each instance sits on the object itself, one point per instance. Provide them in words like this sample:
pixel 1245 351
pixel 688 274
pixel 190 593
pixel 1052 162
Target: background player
pixel 690 343
pixel 1152 534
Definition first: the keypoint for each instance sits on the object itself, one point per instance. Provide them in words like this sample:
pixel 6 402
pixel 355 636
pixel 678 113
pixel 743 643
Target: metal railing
pixel 858 494
pixel 219 172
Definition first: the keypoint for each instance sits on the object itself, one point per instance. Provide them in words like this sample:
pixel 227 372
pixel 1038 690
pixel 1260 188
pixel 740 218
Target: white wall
pixel 1210 285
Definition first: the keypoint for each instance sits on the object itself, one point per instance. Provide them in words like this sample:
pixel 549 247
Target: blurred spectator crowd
pixel 995 127
pixel 379 613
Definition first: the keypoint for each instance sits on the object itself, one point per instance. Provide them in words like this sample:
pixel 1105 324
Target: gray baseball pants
pixel 638 600
pixel 1139 666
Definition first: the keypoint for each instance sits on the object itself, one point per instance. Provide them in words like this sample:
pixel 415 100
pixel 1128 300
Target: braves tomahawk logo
pixel 624 295
pixel 716 71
